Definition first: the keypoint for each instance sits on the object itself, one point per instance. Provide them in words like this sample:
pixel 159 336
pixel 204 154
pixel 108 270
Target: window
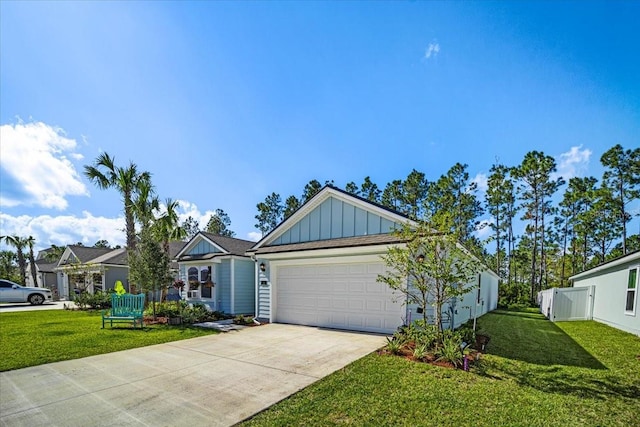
pixel 632 286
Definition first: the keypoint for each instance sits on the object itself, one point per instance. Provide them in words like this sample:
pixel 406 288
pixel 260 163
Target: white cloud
pixel 481 182
pixel 432 50
pixel 36 156
pixel 64 229
pixel 483 231
pixel 254 236
pixel 572 163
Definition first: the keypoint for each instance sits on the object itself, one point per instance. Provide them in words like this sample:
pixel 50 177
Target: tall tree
pixel 54 253
pixel 369 190
pixel 622 173
pixel 392 195
pixel 500 199
pixel 126 180
pixel 536 188
pixel 219 224
pixel 454 195
pixel 269 213
pixel 290 206
pixel 20 243
pixel 32 259
pixel 102 243
pixel 311 189
pixel 352 188
pixel 166 227
pixel 9 266
pixel 191 226
pixel 414 194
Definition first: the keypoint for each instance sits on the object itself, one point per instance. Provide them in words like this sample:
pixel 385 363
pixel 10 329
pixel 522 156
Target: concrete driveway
pixel 51 305
pixel 205 381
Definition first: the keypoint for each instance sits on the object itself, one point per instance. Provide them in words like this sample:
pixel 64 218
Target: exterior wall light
pixel 263 267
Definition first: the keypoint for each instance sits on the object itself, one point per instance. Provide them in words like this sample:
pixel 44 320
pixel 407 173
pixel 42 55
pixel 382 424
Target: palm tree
pixel 127 181
pixel 167 227
pixel 20 243
pixel 54 253
pixel 32 260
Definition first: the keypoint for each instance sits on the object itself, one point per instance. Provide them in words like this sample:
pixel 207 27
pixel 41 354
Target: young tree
pixel 431 269
pixel 166 227
pixel 219 224
pixel 622 175
pixel 269 213
pixel 149 265
pixel 105 174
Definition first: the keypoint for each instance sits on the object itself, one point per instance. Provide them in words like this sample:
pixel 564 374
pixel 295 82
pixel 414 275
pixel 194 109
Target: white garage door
pixel 341 296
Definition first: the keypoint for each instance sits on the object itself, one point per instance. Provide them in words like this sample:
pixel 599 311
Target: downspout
pixel 233 285
pixel 256 285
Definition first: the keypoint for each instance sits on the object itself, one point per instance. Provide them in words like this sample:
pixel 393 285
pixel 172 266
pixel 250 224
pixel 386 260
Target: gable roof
pixel 325 193
pixel 344 242
pixel 630 257
pixel 227 245
pixel 83 254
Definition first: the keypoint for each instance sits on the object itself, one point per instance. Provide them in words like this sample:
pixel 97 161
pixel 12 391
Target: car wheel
pixel 36 299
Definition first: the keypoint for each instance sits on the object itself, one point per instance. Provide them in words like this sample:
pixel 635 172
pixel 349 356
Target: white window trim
pixel 635 290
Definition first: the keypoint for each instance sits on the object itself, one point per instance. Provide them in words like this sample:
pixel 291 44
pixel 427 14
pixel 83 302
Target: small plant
pixel 394 345
pixel 450 350
pixel 420 351
pixel 243 320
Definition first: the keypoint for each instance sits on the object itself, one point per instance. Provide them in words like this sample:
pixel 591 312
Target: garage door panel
pixel 344 296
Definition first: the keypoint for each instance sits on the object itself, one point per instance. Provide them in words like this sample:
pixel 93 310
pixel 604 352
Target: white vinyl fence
pixel 559 304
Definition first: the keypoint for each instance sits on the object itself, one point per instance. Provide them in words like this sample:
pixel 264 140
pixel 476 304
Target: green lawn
pixel 32 338
pixel 537 373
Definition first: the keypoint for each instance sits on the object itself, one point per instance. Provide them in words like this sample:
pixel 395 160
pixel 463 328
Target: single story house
pixel 319 267
pixel 46 277
pixel 90 269
pixel 217 272
pixel 613 287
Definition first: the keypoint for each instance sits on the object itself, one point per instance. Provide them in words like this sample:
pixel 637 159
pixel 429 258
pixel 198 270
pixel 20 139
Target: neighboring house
pixel 45 275
pixel 613 289
pixel 217 272
pixel 319 267
pixel 89 269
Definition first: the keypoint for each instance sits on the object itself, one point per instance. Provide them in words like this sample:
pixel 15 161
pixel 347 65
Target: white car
pixel 12 292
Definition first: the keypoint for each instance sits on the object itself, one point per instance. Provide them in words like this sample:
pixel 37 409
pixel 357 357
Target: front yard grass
pixel 32 338
pixel 536 373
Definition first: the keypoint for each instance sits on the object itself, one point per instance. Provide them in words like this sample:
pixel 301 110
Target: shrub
pixel 394 345
pixel 421 333
pixel 243 320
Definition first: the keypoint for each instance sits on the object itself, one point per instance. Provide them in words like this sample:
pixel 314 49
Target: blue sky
pixel 225 102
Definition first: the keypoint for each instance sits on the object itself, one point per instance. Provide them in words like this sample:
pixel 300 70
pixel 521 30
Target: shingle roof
pixel 45 265
pixel 230 244
pixel 86 253
pixel 114 256
pixel 345 242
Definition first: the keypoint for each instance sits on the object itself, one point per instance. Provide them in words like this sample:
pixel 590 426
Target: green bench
pixel 125 308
